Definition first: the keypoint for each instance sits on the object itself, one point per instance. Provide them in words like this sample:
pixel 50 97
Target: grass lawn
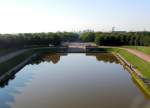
pixel 144 49
pixel 141 65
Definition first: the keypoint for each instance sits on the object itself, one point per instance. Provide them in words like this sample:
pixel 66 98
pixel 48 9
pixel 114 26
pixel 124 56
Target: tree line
pixel 100 38
pixel 117 38
pixel 36 39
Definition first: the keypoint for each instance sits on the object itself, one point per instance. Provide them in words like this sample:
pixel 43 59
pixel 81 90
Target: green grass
pixel 144 49
pixel 140 64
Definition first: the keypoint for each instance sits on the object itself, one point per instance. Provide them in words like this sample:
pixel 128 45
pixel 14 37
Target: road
pixel 11 55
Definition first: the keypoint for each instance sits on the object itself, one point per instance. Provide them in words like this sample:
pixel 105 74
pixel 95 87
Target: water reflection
pixel 5 82
pixel 107 58
pixel 144 88
pixel 108 81
pixel 55 58
pixel 10 86
pixel 48 57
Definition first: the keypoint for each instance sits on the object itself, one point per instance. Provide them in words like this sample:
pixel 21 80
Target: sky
pixel 20 16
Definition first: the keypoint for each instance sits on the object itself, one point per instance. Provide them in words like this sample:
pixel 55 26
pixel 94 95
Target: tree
pixel 88 37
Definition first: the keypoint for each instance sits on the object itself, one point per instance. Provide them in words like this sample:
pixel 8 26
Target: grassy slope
pixel 140 64
pixel 141 48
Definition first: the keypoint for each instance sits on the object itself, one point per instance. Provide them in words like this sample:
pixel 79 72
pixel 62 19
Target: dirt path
pixel 140 54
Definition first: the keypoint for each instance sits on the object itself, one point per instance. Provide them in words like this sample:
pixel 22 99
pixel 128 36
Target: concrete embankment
pixel 16 68
pixel 11 55
pixel 23 63
pixel 130 66
pixel 142 81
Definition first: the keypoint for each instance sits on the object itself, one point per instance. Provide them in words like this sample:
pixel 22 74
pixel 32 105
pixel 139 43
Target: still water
pixel 72 81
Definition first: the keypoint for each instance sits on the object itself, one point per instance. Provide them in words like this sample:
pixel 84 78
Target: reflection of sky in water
pixel 75 81
pixel 6 94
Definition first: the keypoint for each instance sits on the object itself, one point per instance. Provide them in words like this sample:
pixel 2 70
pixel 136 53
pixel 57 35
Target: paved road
pixel 139 54
pixel 11 55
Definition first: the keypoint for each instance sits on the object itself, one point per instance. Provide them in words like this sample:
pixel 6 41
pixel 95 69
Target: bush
pixel 127 38
pixel 88 37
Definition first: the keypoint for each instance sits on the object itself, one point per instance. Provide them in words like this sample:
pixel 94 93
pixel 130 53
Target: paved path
pixel 140 54
pixel 11 55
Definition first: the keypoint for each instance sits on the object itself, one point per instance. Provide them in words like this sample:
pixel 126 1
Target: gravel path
pixel 140 54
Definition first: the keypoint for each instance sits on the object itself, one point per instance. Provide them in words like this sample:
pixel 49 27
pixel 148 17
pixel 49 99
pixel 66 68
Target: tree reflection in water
pixel 55 58
pixel 50 58
pixel 105 57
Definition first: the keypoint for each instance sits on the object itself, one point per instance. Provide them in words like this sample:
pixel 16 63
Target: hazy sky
pixel 68 15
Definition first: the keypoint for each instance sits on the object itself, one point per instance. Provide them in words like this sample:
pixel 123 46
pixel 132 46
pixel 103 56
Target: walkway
pixel 139 54
pixel 11 55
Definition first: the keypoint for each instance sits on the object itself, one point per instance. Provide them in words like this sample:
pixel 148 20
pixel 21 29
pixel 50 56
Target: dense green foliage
pixel 69 36
pixel 123 38
pixel 88 37
pixel 36 39
pixel 100 38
